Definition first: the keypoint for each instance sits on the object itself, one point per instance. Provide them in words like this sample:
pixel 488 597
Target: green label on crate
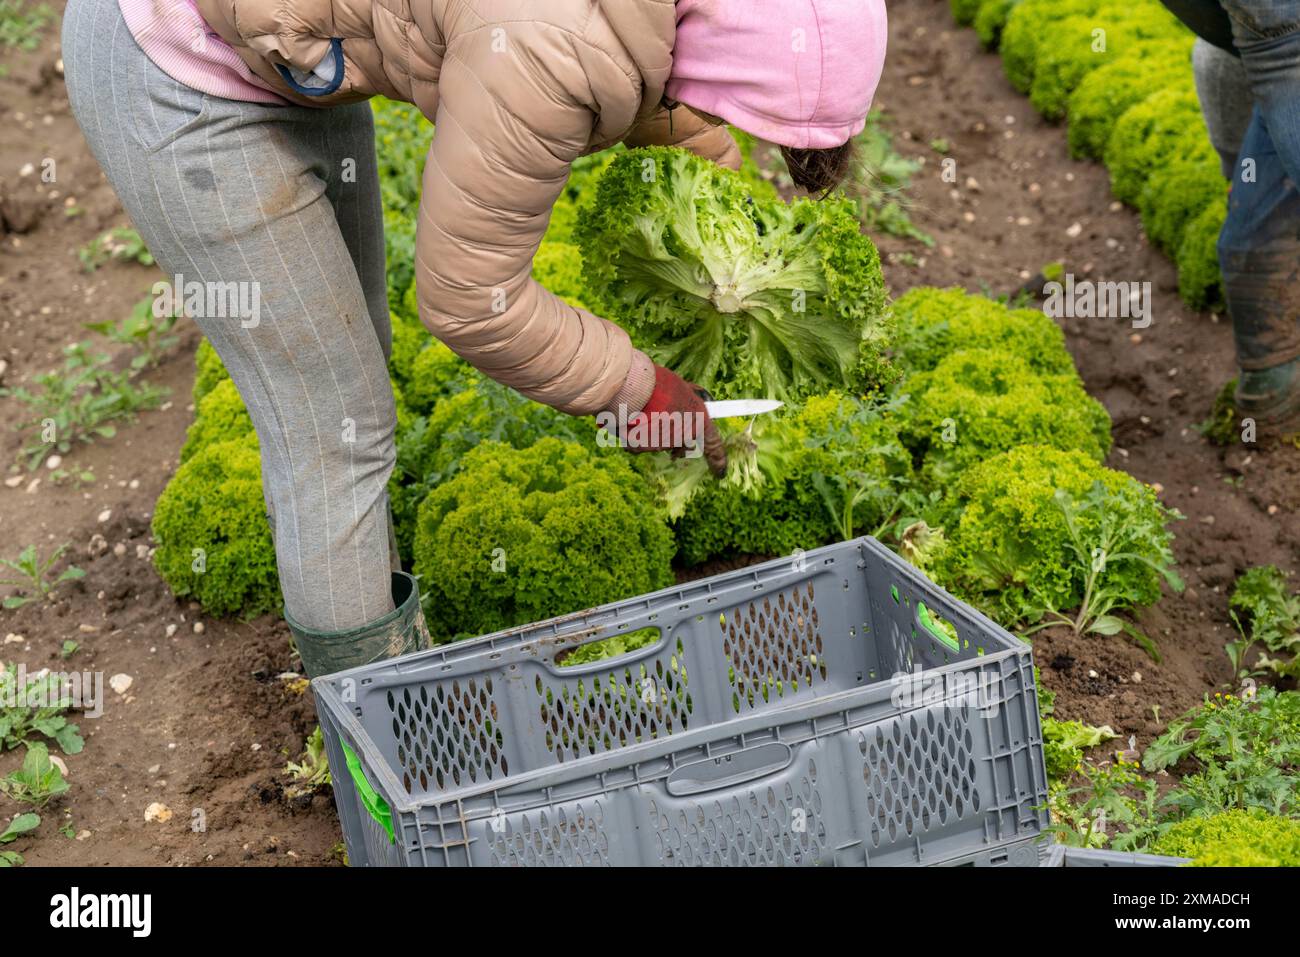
pixel 375 804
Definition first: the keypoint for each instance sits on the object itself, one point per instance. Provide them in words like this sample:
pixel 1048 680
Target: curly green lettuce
pixel 1164 128
pixel 558 267
pixel 208 371
pixel 978 402
pixel 1236 838
pixel 1071 47
pixel 1029 23
pixel 520 535
pixel 431 449
pixel 213 539
pixel 1106 94
pixel 1176 196
pixel 1200 283
pixel 990 19
pixel 436 373
pixel 932 323
pixel 1040 532
pixel 823 472
pixel 221 415
pixel 745 296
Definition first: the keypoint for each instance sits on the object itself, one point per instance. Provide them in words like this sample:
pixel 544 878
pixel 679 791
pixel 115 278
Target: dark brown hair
pixel 819 171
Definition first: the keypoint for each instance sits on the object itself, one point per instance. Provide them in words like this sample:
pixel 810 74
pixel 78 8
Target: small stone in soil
pixel 198 628
pixel 121 683
pixel 1092 673
pixel 105 515
pixel 14 481
pixel 14 639
pixel 154 769
pixel 119 549
pixel 171 630
pixel 157 812
pixel 1137 677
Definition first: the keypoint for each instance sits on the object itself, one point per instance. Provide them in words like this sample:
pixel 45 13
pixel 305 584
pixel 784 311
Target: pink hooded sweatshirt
pixel 800 73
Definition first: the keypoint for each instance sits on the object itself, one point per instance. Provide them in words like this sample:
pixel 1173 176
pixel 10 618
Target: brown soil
pixel 208 722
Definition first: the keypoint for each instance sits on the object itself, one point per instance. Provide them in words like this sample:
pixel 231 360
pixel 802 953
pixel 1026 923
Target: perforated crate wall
pixel 775 646
pixel 560 838
pixel 615 707
pixel 919 769
pixel 780 823
pixel 448 736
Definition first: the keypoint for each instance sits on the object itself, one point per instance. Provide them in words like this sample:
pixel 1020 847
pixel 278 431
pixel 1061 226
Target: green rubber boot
pixel 401 631
pixel 1271 397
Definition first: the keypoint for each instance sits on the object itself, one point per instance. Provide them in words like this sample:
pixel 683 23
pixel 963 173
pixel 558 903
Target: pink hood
pixel 799 73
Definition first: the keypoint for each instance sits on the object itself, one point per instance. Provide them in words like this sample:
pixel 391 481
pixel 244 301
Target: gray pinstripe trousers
pixel 231 192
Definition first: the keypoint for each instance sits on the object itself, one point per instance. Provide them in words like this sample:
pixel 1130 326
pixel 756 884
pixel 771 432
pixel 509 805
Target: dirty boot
pixel 400 631
pixel 1272 398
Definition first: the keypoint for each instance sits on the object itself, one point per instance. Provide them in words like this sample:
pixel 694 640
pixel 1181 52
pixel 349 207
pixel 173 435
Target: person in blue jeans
pixel 1247 65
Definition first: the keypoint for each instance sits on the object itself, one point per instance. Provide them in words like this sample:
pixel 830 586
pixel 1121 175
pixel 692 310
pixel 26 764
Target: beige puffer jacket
pixel 517 89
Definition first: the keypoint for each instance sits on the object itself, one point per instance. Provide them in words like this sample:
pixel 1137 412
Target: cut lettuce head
pixel 745 296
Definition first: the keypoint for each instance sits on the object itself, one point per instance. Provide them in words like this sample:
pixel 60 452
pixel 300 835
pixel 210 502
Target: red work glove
pixel 674 419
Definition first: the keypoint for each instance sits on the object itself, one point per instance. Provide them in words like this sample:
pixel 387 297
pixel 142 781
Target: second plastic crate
pixel 1058 855
pixel 836 708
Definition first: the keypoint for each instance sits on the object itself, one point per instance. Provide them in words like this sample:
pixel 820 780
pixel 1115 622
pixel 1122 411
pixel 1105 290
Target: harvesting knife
pixel 740 408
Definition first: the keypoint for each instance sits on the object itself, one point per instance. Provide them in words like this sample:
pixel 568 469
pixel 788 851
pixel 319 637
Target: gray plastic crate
pixel 802 711
pixel 1058 855
pixel 1028 853
pixel 1036 853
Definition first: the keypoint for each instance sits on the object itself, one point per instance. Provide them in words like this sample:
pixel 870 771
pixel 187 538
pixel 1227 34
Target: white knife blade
pixel 738 408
